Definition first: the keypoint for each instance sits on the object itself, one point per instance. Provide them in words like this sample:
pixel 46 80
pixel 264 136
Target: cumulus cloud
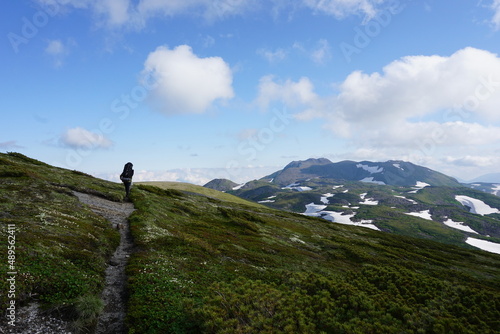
pixel 187 83
pixel 81 138
pixel 413 109
pixel 461 88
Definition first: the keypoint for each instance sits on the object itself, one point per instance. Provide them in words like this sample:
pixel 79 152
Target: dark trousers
pixel 127 187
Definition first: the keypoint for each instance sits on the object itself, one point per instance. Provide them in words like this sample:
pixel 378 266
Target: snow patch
pixel 371 169
pixel 312 209
pixel 459 226
pixel 488 246
pixel 425 214
pixel 367 201
pixel 408 199
pixel 370 180
pixel 325 197
pixel 398 166
pixel 476 206
pixel 496 189
pixel 419 185
pixel 297 187
pixel 316 210
pixel 238 187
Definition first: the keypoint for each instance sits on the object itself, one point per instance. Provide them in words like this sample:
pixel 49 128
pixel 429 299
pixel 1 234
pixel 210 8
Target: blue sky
pixel 192 90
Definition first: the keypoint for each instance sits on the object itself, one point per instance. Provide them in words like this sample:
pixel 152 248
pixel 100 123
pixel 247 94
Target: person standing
pixel 126 177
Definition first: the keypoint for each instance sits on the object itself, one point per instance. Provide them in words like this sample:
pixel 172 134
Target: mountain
pixel 221 184
pixel 491 188
pixel 488 178
pixel 394 196
pixel 204 263
pixel 397 173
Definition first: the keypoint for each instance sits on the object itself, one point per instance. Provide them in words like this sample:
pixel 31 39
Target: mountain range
pixel 392 196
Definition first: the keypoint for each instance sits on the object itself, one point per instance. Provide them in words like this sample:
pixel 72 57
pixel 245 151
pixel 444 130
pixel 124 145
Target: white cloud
pixel 58 50
pixel 118 13
pixel 55 47
pixel 273 56
pixel 495 6
pixel 292 94
pixel 418 108
pixel 343 8
pixel 322 53
pixel 460 88
pixel 199 176
pixel 110 13
pixel 11 144
pixel 209 9
pixel 81 138
pixel 186 82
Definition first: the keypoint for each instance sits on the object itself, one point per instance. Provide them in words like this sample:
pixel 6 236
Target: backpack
pixel 128 172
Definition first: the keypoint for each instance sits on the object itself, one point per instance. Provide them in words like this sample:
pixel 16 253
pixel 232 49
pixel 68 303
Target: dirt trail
pixel 111 321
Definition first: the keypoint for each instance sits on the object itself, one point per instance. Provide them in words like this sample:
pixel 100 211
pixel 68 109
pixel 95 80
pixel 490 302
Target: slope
pixel 205 265
pixel 58 248
pixel 418 210
pixel 188 187
pixel 212 266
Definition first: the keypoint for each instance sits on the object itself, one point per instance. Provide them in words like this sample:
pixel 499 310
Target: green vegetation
pixel 208 264
pixel 394 202
pixel 192 188
pixel 211 266
pixel 61 247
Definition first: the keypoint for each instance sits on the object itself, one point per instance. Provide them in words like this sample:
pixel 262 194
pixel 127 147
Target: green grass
pixel 213 266
pixel 192 188
pixel 61 246
pixel 206 264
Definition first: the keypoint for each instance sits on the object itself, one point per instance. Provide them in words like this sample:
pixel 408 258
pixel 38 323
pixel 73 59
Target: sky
pixel 191 90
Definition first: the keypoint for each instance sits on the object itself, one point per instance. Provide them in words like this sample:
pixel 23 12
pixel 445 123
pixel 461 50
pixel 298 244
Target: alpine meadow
pixel 207 263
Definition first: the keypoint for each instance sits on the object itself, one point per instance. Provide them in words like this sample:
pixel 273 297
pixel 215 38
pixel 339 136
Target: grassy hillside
pixel 192 188
pixel 390 214
pixel 61 247
pixel 213 266
pixel 206 265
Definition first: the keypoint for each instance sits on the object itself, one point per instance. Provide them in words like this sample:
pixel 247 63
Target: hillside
pixel 429 207
pixel 205 265
pixel 205 191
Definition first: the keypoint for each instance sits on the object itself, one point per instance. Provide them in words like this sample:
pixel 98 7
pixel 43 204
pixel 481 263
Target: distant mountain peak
pixel 307 163
pixel 392 172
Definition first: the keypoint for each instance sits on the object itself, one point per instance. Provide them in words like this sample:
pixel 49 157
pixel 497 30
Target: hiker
pixel 126 177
